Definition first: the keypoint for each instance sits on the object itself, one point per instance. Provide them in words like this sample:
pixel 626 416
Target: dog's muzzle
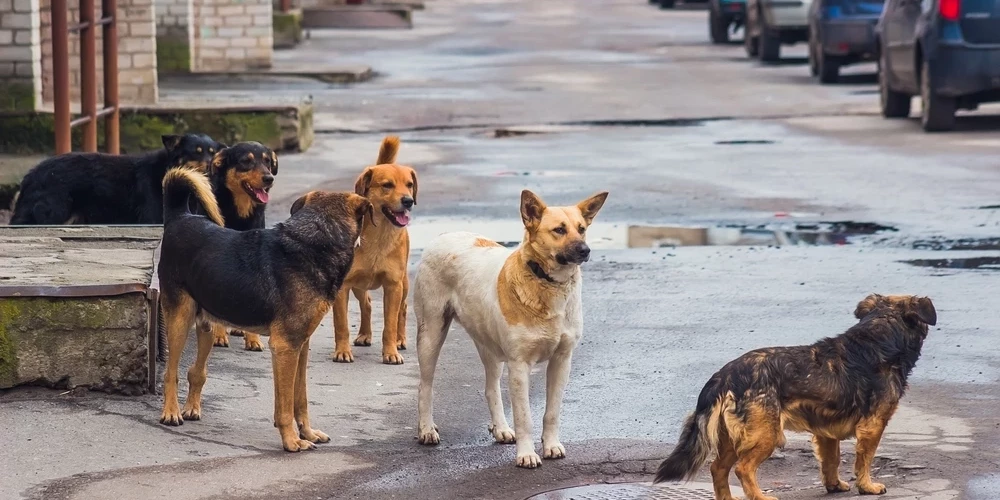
pixel 578 253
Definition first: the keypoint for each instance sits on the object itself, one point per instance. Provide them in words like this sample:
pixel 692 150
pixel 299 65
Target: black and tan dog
pixel 280 282
pixel 242 176
pixel 840 387
pixel 97 188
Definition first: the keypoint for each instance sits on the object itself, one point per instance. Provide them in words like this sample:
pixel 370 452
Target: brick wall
pixel 20 57
pixel 137 82
pixel 172 17
pixel 231 35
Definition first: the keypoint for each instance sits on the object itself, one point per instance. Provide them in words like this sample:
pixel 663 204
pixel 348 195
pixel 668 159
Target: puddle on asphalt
pixel 985 263
pixel 741 142
pixel 620 236
pixel 959 244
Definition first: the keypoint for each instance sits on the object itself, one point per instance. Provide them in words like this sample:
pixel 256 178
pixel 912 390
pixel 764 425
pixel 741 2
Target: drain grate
pixel 630 491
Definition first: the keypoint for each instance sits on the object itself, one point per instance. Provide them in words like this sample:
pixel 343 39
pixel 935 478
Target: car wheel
pixel 768 42
pixel 813 68
pixel 828 67
pixel 894 104
pixel 718 28
pixel 938 113
pixel 667 4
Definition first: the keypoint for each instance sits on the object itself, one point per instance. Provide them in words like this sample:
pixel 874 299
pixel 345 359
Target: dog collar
pixel 540 273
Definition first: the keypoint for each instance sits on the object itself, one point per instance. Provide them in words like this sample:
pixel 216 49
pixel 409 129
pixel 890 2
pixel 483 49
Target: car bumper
pixel 733 10
pixel 787 14
pixel 843 37
pixel 959 71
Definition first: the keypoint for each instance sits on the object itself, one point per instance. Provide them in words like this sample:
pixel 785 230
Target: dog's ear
pixel 368 209
pixel 217 160
pixel 170 141
pixel 866 306
pixel 923 310
pixel 274 163
pixel 532 208
pixel 299 203
pixel 591 206
pixel 413 174
pixel 364 182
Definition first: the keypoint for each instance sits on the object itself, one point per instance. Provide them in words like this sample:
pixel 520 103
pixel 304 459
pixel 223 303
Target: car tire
pixel 718 28
pixel 938 112
pixel 894 104
pixel 828 67
pixel 667 4
pixel 768 43
pixel 813 67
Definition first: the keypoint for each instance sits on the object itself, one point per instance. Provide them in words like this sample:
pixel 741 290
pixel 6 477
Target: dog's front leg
pixel 868 434
pixel 556 377
pixel 520 383
pixel 285 357
pixel 391 302
pixel 341 333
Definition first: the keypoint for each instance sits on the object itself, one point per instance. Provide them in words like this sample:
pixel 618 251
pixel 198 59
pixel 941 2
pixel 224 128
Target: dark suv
pixel 945 51
pixel 841 32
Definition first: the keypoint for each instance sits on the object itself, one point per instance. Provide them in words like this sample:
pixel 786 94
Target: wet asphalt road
pixel 619 96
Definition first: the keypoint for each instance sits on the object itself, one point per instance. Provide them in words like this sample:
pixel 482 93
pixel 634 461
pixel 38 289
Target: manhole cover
pixel 632 491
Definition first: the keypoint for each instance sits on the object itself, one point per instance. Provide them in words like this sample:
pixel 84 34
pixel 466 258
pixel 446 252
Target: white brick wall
pixel 231 36
pixel 20 53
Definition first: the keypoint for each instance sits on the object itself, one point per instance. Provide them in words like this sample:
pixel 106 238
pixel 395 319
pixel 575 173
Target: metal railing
pixel 88 75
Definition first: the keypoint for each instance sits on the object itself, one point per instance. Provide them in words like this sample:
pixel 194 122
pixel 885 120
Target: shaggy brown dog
pixel 840 387
pixel 381 259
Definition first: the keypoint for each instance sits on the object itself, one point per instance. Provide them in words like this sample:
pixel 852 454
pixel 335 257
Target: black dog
pixel 98 188
pixel 280 282
pixel 837 388
pixel 241 176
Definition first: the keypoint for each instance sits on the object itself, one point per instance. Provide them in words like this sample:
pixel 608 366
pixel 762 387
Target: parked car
pixel 945 51
pixel 669 4
pixel 841 32
pixel 724 17
pixel 771 23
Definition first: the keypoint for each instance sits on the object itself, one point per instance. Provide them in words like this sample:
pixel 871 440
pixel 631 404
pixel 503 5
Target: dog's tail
pixel 387 152
pixel 179 185
pixel 699 437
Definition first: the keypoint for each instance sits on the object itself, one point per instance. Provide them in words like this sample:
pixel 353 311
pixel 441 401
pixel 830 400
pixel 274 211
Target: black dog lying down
pixel 280 282
pixel 837 388
pixel 98 188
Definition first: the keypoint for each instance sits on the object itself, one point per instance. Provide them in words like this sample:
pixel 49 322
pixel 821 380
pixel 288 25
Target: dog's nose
pixel 407 202
pixel 267 179
pixel 582 252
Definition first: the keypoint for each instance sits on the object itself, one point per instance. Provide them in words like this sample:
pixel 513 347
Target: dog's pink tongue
pixel 402 218
pixel 262 195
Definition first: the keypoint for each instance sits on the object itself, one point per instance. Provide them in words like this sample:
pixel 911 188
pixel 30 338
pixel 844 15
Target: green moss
pixel 141 132
pixel 287 28
pixel 9 311
pixel 173 55
pixel 17 96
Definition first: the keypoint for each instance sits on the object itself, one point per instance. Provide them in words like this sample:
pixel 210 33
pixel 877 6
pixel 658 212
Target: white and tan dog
pixel 521 308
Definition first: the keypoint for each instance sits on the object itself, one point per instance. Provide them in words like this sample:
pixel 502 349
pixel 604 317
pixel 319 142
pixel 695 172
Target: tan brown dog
pixel 381 259
pixel 837 388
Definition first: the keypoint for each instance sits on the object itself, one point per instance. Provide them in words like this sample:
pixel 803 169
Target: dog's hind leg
pixel 401 328
pixel 762 435
pixel 178 315
pixel 499 427
pixel 302 401
pixel 869 434
pixel 556 378
pixel 518 385
pixel 723 463
pixel 364 337
pixel 198 372
pixel 433 323
pixel 827 451
pixel 341 333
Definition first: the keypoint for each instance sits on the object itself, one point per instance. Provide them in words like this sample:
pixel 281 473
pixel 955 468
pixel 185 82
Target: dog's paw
pixel 554 450
pixel 314 436
pixel 528 460
pixel 392 358
pixel 840 487
pixel 363 340
pixel 872 489
pixel 221 340
pixel 401 346
pixel 343 356
pixel 191 413
pixel 172 418
pixel 429 436
pixel 252 343
pixel 237 333
pixel 297 445
pixel 503 435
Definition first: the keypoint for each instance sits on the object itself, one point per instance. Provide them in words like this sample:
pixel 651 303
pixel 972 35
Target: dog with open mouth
pixel 380 260
pixel 242 176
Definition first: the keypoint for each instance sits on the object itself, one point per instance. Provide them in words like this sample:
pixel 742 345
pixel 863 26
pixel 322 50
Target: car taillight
pixel 950 9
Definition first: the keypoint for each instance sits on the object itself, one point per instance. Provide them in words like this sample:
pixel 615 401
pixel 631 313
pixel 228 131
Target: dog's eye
pixel 559 230
pixel 198 150
pixel 409 185
pixel 210 150
pixel 582 229
pixel 387 185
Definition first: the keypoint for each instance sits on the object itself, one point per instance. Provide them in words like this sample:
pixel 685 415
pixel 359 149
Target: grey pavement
pixel 612 95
